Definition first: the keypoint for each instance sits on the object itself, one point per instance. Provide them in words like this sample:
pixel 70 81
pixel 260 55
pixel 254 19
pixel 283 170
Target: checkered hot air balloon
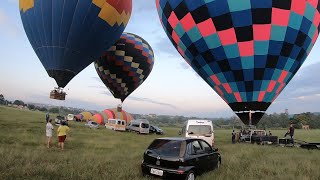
pixel 68 35
pixel 125 66
pixel 246 50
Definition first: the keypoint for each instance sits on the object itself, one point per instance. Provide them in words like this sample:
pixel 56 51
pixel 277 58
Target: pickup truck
pixel 258 137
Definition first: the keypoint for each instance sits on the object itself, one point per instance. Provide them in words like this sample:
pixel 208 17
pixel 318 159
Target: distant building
pixel 286 112
pixel 152 115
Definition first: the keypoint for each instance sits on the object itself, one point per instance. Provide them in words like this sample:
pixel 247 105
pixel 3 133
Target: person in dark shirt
pixel 270 134
pixel 291 131
pixel 47 117
pixel 233 137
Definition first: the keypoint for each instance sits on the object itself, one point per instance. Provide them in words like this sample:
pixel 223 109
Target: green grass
pixel 104 154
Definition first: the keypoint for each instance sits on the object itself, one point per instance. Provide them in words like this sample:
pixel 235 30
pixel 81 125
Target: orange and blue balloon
pixel 68 35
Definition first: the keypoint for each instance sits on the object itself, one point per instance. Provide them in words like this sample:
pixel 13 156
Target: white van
pixel 140 125
pixel 70 117
pixel 202 129
pixel 116 124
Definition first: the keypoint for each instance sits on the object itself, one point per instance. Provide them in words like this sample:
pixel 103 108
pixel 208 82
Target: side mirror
pixel 215 149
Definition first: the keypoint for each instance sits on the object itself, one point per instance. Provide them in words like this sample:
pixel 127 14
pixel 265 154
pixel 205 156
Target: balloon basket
pixel 57 94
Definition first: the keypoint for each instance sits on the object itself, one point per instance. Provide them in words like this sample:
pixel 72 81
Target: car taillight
pixel 180 171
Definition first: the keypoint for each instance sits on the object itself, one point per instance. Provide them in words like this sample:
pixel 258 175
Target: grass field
pixel 104 154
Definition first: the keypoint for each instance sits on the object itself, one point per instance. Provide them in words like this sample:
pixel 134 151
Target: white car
pixel 92 124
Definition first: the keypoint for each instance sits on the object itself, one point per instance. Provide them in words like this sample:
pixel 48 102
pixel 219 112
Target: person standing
pixel 233 137
pixel 47 117
pixel 291 132
pixel 49 130
pixel 62 134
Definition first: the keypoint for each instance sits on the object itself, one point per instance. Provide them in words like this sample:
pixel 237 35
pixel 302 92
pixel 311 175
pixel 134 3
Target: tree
pixel 54 110
pixel 18 103
pixel 43 109
pixel 2 99
pixel 31 106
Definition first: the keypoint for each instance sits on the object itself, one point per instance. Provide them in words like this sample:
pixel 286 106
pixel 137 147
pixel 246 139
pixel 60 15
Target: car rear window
pixel 164 147
pixel 143 125
pixel 199 129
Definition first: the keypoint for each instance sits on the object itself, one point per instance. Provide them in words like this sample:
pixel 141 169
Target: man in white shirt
pixel 49 130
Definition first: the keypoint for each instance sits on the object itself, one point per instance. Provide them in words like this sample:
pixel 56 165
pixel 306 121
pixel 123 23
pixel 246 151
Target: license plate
pixel 156 172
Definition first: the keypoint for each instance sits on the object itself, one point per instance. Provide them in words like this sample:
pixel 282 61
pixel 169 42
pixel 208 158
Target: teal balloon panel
pixel 246 50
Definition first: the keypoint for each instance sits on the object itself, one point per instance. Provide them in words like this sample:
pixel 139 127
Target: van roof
pixel 199 120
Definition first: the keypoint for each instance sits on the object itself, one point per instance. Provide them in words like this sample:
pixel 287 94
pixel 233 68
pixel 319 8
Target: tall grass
pixel 104 154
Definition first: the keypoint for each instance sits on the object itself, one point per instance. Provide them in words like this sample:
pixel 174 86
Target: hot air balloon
pixel 125 66
pixel 86 115
pixel 247 50
pixel 69 35
pixel 115 113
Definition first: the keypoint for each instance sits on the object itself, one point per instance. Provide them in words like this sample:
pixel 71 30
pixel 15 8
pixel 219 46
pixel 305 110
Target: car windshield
pixel 199 129
pixel 144 125
pixel 166 147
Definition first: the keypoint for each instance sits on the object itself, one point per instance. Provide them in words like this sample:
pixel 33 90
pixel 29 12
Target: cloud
pixel 143 6
pixel 13 1
pixel 151 101
pixel 108 93
pixel 164 45
pixel 185 65
pixel 302 94
pixel 306 83
pixel 7 26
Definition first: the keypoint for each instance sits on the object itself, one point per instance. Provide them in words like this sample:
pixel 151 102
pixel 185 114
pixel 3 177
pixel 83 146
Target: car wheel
pixel 191 176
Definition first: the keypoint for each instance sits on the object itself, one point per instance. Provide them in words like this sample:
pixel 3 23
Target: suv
pixel 60 119
pixel 155 129
pixel 179 158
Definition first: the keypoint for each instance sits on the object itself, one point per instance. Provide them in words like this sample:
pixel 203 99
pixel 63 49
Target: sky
pixel 172 88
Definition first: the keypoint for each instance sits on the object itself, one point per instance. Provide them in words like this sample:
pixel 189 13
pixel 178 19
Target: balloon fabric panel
pixel 126 65
pixel 248 50
pixel 68 35
pixel 114 114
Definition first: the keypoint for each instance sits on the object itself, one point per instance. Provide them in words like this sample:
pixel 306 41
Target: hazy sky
pixel 172 88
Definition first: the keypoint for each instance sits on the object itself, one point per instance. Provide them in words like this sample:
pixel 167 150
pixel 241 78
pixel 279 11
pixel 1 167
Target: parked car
pixel 70 117
pixel 196 128
pixel 92 124
pixel 155 129
pixel 177 158
pixel 60 119
pixel 140 125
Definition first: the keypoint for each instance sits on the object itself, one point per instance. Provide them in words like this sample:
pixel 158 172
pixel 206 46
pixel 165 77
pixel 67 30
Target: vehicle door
pixel 196 156
pixel 211 157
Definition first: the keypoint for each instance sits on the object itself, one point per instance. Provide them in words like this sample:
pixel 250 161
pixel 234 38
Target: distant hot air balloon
pixel 68 35
pixel 103 116
pixel 126 65
pixel 247 50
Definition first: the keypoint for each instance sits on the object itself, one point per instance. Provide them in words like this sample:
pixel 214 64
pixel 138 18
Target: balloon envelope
pixel 68 35
pixel 103 116
pixel 125 66
pixel 247 50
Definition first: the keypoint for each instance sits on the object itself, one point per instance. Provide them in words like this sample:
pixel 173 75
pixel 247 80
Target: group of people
pixel 61 132
pixel 234 135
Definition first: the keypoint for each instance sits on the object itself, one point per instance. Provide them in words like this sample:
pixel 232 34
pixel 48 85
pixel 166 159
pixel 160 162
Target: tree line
pixel 54 110
pixel 275 120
